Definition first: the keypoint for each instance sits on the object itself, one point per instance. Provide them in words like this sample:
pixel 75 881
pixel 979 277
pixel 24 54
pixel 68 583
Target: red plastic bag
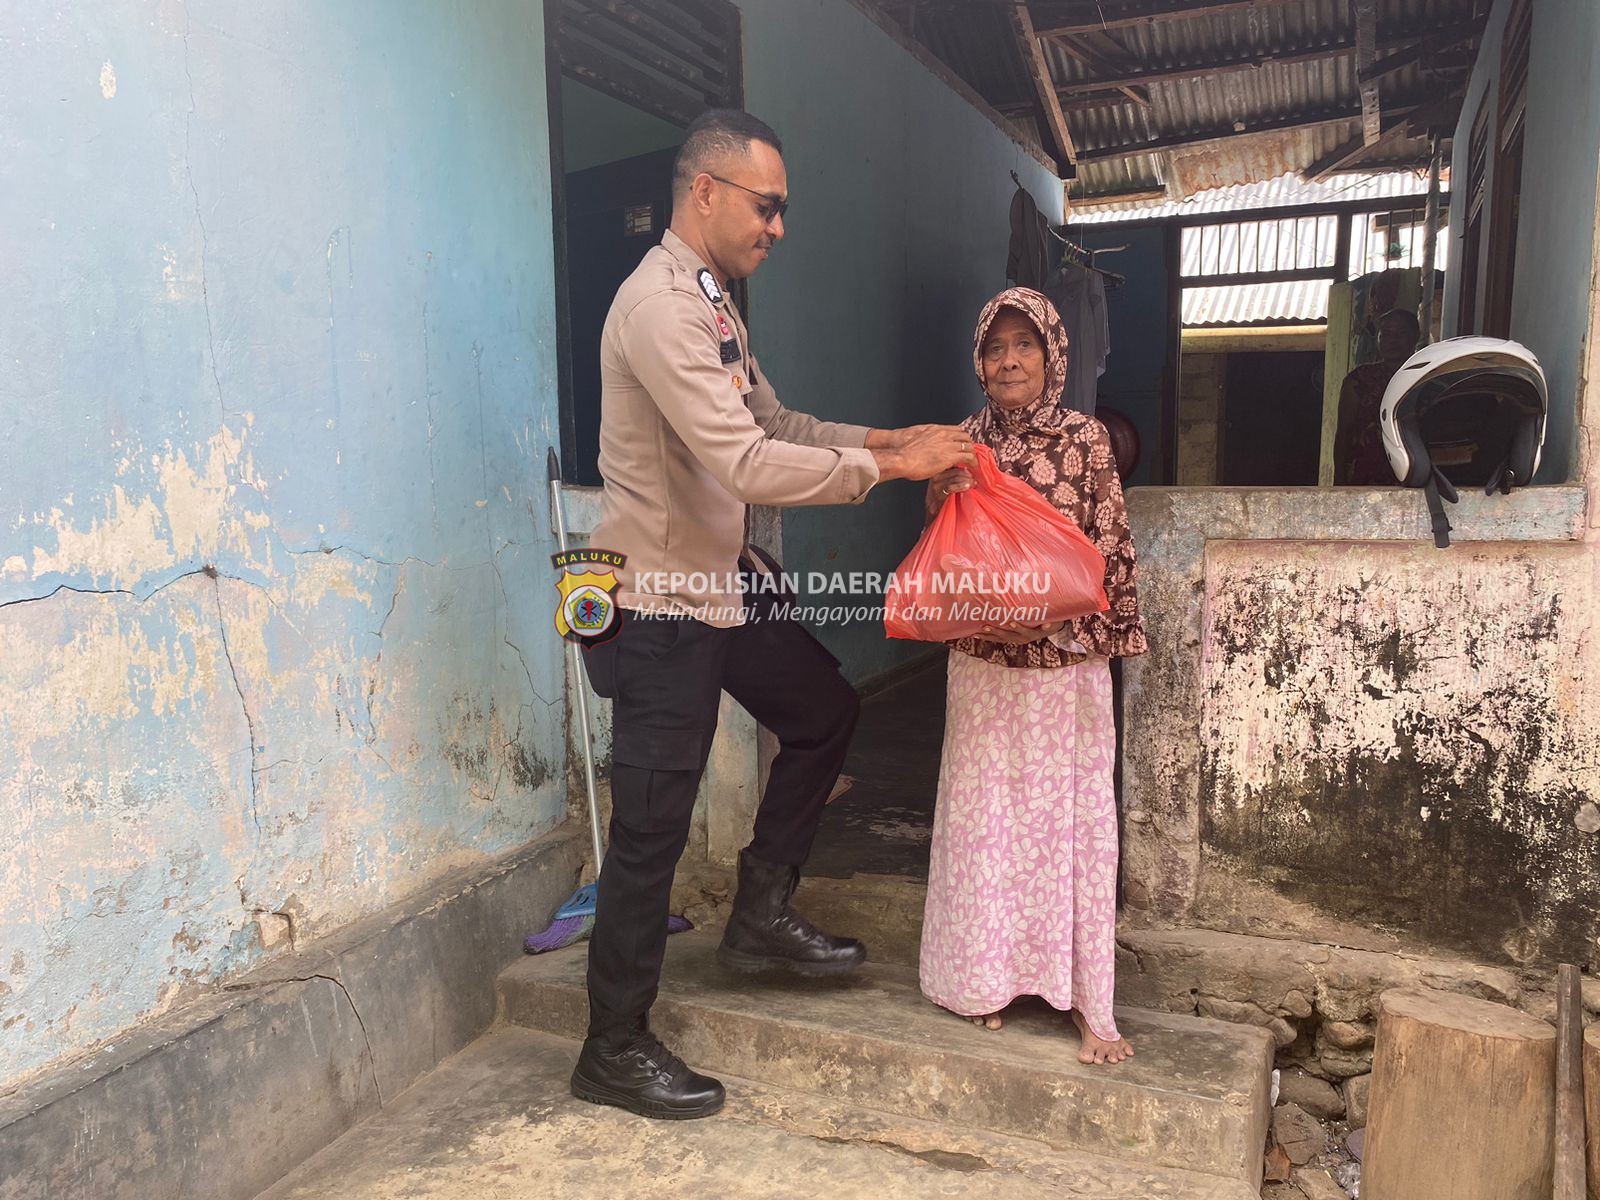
pixel 997 553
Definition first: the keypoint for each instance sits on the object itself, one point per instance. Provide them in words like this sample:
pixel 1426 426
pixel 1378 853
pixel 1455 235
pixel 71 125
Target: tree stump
pixel 1463 1101
pixel 1591 1092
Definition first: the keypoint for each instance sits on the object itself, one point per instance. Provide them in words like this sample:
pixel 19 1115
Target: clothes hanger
pixel 1079 256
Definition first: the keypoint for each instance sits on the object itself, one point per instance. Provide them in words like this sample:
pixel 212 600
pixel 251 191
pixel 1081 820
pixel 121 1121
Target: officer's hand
pixel 894 439
pixel 927 451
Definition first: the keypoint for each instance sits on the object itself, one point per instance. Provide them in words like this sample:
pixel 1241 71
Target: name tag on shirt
pixel 730 351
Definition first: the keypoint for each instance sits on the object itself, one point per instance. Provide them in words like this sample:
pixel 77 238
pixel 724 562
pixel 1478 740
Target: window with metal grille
pixel 1280 269
pixel 1506 207
pixel 1290 246
pixel 1384 241
pixel 1514 53
pixel 1472 238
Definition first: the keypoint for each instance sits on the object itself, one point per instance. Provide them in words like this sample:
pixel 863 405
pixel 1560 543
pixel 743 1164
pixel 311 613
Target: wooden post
pixel 1591 1088
pixel 1569 1085
pixel 1430 235
pixel 1463 1101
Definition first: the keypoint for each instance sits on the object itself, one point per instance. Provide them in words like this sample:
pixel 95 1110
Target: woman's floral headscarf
pixel 1066 457
pixel 1046 411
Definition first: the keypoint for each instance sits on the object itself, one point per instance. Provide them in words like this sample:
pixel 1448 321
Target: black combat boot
pixel 644 1077
pixel 764 931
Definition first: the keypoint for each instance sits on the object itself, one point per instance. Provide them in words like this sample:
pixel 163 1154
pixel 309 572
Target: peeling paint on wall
pixel 275 640
pixel 1177 733
pixel 1402 737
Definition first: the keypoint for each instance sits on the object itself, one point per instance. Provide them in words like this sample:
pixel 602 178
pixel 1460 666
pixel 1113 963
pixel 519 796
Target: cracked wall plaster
pixel 1407 745
pixel 275 599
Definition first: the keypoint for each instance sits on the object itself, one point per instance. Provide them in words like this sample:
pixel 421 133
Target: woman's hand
pixel 1017 634
pixel 945 484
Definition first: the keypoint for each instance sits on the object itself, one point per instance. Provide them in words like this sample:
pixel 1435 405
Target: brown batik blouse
pixel 1066 458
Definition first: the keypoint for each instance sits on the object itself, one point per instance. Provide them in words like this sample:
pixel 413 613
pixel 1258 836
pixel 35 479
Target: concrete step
pixel 1195 1097
pixel 496 1123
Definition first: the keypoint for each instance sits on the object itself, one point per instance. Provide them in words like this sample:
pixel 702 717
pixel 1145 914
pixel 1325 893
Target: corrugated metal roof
pixel 1284 191
pixel 977 41
pixel 1273 303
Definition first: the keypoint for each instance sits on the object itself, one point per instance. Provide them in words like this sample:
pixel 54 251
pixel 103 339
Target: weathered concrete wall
pixel 898 236
pixel 1401 737
pixel 276 387
pixel 1331 727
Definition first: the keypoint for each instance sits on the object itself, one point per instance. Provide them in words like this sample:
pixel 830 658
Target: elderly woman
pixel 1022 878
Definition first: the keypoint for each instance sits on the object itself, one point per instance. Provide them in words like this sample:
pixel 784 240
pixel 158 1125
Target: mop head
pixel 562 932
pixel 566 931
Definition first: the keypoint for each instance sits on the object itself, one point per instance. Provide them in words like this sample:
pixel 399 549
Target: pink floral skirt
pixel 1022 878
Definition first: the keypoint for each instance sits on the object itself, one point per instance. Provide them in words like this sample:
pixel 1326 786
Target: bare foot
pixel 1096 1049
pixel 991 1021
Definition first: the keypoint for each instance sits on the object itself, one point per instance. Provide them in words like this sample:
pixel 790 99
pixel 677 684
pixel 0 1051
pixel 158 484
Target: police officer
pixel 691 434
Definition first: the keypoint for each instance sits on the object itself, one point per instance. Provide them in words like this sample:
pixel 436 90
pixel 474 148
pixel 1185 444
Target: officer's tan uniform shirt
pixel 688 441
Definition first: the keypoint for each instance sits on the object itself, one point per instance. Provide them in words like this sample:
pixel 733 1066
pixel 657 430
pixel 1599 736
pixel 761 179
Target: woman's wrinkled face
pixel 1013 361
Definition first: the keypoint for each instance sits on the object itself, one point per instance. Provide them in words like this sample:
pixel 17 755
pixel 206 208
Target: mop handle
pixel 580 679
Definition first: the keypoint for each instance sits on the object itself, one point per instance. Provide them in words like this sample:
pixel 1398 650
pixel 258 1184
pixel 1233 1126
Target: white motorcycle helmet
pixel 1475 406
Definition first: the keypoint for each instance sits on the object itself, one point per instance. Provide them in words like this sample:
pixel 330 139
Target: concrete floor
pixel 883 824
pixel 497 1122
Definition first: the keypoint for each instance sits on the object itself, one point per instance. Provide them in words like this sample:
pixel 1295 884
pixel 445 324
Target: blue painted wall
pixel 596 129
pixel 276 383
pixel 1555 229
pixel 1136 313
pixel 898 235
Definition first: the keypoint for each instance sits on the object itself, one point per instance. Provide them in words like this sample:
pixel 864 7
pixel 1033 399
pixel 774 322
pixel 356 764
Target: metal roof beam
pixel 1194 70
pixel 1104 66
pixel 1412 48
pixel 1397 127
pixel 1366 13
pixel 1072 19
pixel 1033 60
pixel 1274 125
pixel 1408 45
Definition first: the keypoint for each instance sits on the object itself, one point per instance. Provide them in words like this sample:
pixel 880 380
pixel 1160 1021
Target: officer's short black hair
pixel 713 136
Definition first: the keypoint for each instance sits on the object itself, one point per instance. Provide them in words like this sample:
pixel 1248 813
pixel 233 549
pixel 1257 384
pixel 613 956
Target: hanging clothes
pixel 1027 258
pixel 1079 295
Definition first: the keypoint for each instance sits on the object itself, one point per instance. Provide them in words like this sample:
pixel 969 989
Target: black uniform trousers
pixel 665 676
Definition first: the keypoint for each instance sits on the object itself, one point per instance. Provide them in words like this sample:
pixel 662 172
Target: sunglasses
pixel 770 207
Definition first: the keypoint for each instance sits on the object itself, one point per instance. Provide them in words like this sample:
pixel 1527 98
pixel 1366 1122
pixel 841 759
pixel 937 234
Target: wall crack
pixel 205 240
pixel 250 726
pixel 372 1058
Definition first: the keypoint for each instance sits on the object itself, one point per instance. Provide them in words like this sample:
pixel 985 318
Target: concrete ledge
pixel 1178 531
pixel 1194 1098
pixel 224 1097
pixel 1554 513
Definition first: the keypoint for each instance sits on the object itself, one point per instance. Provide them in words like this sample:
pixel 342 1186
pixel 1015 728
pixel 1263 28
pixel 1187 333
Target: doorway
pixel 623 82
